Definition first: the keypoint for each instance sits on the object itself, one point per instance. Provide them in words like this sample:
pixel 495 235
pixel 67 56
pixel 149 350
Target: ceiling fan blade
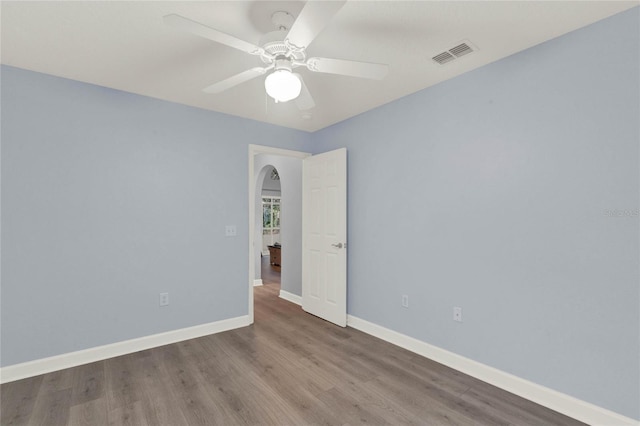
pixel 351 68
pixel 315 15
pixel 234 80
pixel 304 101
pixel 201 30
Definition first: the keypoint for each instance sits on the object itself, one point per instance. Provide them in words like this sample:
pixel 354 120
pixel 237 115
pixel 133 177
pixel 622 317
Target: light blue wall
pixel 489 192
pixel 110 198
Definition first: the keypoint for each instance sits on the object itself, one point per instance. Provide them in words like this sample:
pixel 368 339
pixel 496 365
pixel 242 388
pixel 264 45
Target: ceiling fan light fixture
pixel 282 85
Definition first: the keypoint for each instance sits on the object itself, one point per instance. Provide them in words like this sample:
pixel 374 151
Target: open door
pixel 324 236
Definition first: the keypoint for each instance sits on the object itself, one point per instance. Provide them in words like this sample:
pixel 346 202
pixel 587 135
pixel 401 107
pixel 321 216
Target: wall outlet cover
pixel 164 299
pixel 405 301
pixel 457 313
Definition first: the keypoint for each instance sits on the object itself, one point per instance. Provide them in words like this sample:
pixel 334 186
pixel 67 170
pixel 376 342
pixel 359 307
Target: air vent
pixel 455 52
pixel 461 50
pixel 444 57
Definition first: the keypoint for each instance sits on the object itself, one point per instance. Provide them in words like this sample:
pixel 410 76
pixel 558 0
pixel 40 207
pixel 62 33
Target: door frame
pixel 253 151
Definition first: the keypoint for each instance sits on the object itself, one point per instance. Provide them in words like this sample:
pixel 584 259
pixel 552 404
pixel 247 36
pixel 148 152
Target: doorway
pixel 271 247
pixel 289 167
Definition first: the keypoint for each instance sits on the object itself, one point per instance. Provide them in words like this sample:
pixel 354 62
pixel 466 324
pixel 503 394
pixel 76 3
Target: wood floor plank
pixel 128 415
pixel 90 413
pixel 268 357
pixel 296 388
pixel 377 403
pixel 122 389
pixel 189 397
pixel 157 398
pixel 351 410
pixel 52 409
pixel 288 368
pixel 57 380
pixel 18 399
pixel 88 383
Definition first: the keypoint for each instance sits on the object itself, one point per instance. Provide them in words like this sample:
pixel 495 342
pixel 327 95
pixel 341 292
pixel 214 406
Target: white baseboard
pixel 293 298
pixel 257 283
pixel 72 359
pixel 557 401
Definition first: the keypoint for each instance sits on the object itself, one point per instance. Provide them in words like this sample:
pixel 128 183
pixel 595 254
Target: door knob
pixel 339 245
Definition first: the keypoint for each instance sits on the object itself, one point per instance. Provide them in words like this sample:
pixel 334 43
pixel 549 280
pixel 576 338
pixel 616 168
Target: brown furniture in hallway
pixel 274 257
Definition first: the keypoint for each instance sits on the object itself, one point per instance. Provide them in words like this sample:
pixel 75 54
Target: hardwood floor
pixel 268 274
pixel 288 368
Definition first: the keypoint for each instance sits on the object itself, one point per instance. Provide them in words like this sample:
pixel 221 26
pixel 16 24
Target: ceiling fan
pixel 282 51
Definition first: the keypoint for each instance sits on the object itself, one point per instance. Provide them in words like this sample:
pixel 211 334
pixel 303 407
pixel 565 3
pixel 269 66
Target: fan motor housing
pixel 273 43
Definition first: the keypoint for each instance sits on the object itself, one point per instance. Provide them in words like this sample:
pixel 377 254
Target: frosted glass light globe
pixel 282 85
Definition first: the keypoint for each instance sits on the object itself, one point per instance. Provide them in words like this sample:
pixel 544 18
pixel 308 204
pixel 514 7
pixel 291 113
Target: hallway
pixel 269 275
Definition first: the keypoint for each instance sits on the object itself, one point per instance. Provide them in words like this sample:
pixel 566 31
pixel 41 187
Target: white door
pixel 324 236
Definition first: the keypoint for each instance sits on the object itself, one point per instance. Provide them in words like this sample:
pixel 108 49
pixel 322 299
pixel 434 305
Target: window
pixel 270 221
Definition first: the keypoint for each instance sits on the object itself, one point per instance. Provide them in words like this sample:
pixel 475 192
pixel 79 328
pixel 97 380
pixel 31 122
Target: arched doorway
pixel 271 244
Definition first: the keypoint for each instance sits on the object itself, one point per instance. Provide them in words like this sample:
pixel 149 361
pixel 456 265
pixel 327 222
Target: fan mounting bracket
pixel 282 20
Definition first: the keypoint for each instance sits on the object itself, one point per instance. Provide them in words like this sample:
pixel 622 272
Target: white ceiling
pixel 126 46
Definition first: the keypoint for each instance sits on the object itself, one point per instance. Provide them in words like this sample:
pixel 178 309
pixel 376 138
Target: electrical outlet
pixel 230 231
pixel 405 301
pixel 164 299
pixel 457 313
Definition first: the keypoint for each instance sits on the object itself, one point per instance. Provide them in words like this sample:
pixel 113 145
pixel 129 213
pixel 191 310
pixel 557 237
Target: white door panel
pixel 324 233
